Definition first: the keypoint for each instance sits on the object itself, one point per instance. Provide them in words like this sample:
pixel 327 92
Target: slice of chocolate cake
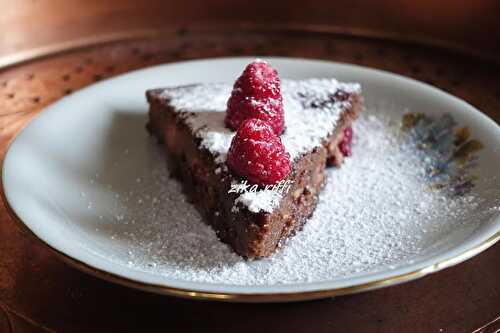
pixel 189 120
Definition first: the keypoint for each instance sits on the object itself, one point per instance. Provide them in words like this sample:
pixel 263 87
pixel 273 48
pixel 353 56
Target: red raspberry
pixel 256 94
pixel 345 149
pixel 348 134
pixel 345 144
pixel 257 154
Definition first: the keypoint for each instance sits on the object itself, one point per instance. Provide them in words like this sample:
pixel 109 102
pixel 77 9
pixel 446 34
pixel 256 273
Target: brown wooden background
pixel 25 24
pixel 38 292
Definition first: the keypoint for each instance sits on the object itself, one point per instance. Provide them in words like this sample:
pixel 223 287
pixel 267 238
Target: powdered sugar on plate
pixel 376 212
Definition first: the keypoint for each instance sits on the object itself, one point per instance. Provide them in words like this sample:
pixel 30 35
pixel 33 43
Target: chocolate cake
pixel 189 120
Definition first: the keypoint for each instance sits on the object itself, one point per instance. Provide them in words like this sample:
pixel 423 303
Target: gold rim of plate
pixel 250 297
pixel 207 295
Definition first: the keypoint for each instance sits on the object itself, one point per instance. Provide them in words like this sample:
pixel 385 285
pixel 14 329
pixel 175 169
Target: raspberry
pixel 345 149
pixel 257 154
pixel 345 144
pixel 256 94
pixel 348 134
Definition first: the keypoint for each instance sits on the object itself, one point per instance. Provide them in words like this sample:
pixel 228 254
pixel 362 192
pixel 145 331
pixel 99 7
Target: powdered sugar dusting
pixel 266 200
pixel 309 118
pixel 376 212
pixel 306 123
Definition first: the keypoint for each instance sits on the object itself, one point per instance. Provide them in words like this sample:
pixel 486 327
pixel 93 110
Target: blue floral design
pixel 449 152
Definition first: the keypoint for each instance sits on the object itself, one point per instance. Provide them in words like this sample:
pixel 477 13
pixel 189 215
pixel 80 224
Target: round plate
pixel 55 164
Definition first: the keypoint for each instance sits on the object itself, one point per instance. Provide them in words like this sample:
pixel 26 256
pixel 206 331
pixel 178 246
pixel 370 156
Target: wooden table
pixel 39 292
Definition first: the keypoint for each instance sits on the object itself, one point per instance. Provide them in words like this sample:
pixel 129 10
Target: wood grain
pixel 38 23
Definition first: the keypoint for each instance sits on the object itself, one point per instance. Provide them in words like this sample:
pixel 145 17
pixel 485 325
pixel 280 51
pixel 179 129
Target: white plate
pixel 65 171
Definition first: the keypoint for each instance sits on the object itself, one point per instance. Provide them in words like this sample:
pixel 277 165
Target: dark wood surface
pixel 38 292
pixel 39 23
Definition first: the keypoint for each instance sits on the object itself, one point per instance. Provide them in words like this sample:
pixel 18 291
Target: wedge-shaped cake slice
pixel 189 120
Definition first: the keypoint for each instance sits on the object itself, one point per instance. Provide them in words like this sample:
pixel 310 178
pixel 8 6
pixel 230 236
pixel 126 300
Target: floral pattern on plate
pixel 448 150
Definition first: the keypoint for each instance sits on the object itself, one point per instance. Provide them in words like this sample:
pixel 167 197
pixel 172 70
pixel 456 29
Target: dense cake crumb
pixel 378 210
